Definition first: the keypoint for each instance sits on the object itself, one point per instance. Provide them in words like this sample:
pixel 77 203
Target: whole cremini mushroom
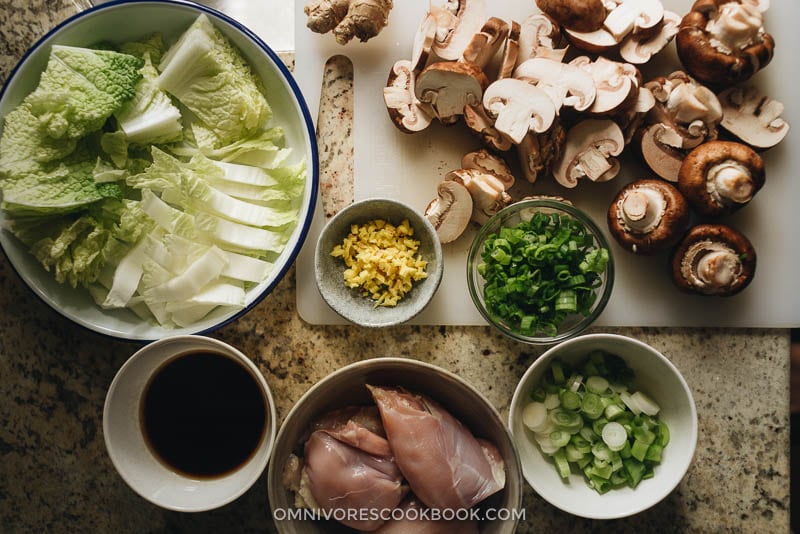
pixel 720 177
pixel 647 216
pixel 723 42
pixel 713 259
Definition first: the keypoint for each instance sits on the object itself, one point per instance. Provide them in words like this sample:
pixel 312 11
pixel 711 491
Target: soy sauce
pixel 203 414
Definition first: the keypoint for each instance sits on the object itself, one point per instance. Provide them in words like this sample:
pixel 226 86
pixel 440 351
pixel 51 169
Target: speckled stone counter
pixel 55 475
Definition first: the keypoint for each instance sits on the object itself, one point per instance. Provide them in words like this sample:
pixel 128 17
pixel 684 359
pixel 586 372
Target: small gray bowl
pixel 350 303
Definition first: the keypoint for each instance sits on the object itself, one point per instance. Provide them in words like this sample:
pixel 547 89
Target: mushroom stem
pixel 642 209
pixel 731 180
pixel 719 268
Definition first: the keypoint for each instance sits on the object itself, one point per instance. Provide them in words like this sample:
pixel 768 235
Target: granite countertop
pixel 55 475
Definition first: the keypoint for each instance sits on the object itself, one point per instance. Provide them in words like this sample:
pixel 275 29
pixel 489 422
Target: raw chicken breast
pixel 415 522
pixel 445 466
pixel 348 467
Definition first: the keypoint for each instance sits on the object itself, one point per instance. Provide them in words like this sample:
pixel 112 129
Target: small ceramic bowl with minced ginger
pixel 378 262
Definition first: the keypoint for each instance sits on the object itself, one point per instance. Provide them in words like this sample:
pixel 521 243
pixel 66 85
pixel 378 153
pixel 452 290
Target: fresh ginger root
pixel 348 18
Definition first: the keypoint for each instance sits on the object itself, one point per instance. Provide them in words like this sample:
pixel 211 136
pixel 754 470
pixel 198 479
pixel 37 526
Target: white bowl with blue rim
pixel 128 20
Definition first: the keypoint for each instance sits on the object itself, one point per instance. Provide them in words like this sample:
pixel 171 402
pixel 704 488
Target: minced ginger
pixel 348 18
pixel 382 259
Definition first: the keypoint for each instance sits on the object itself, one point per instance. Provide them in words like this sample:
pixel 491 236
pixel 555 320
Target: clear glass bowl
pixel 512 216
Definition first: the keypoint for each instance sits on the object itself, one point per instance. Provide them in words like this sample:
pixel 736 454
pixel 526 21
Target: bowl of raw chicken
pixel 394 445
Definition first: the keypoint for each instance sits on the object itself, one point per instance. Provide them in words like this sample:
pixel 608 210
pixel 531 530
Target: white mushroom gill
pixel 641 209
pixel 729 181
pixel 736 27
pixel 711 264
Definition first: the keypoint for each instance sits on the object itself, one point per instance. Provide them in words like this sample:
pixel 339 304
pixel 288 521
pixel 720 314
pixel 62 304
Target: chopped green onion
pixel 540 272
pixel 591 405
pixel 534 416
pixel 614 437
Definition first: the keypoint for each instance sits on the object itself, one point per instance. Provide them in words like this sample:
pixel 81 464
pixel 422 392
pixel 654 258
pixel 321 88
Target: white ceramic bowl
pixel 350 303
pixel 134 460
pixel 130 20
pixel 658 378
pixel 346 387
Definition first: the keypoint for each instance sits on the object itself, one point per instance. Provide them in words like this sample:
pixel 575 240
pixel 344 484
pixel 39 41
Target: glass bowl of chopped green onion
pixel 540 271
pixel 605 426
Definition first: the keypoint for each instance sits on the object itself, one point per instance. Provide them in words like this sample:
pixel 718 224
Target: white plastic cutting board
pixel 408 167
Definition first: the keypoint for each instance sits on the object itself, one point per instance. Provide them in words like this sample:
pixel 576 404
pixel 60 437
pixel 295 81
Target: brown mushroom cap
pixel 713 259
pixel 720 177
pixel 578 15
pixel 709 63
pixel 648 215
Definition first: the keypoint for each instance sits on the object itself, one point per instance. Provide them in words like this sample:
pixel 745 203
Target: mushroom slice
pixel 616 84
pixel 723 42
pixel 631 119
pixel 578 15
pixel 479 122
pixel 510 52
pixel 539 151
pixel 487 191
pixel 752 117
pixel 486 162
pixel 720 177
pixel 589 152
pixel 685 115
pixel 518 107
pixel 450 211
pixel 639 48
pixel 541 37
pixel 423 42
pixel 633 16
pixel 449 86
pixel 713 259
pixel 567 85
pixel 404 109
pixel 485 44
pixel 457 22
pixel 648 215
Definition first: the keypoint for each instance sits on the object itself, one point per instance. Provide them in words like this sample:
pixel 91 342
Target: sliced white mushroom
pixel 486 162
pixel 479 122
pixel 567 85
pixel 639 48
pixel 486 43
pixel 660 148
pixel 449 86
pixel 539 151
pixel 406 111
pixel 518 107
pixel 457 22
pixel 540 37
pixel 752 117
pixel 616 84
pixel 510 52
pixel 633 16
pixel 423 42
pixel 488 193
pixel 450 211
pixel 590 152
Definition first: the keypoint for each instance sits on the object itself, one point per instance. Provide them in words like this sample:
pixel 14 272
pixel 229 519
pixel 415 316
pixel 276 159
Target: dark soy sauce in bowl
pixel 203 414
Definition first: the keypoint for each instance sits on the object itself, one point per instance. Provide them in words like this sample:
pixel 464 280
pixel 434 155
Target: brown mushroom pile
pixel 562 91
